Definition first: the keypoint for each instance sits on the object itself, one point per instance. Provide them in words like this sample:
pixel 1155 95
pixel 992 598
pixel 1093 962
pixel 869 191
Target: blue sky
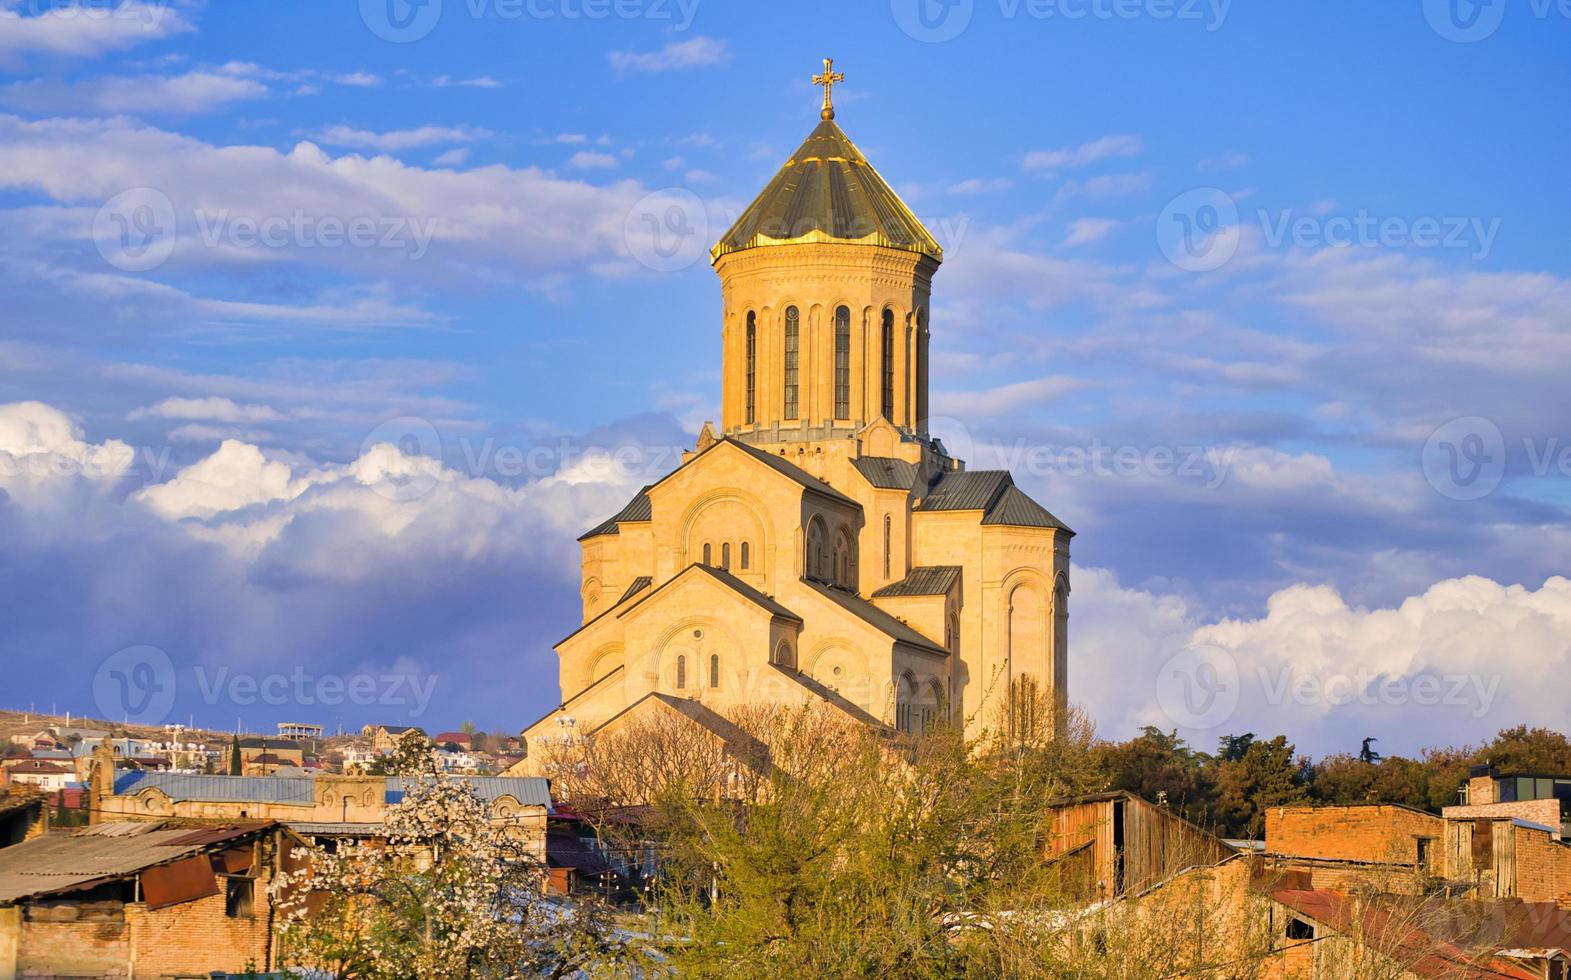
pixel 1377 290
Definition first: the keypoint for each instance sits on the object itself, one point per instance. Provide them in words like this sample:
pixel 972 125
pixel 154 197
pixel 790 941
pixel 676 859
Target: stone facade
pixel 822 545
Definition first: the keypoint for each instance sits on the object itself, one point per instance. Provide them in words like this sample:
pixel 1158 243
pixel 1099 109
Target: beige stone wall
pixel 817 279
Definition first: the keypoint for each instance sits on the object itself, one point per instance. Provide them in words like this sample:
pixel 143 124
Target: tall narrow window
pixel 745 555
pixel 714 670
pixel 888 542
pixel 889 365
pixel 792 336
pixel 752 366
pixel 707 556
pixel 681 672
pixel 725 556
pixel 842 363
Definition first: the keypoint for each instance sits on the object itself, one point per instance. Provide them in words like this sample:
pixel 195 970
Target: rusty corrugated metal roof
pixel 58 863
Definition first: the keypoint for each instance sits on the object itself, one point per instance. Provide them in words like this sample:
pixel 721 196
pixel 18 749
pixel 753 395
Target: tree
pixel 1160 766
pixel 449 895
pixel 236 763
pixel 1266 775
pixel 412 755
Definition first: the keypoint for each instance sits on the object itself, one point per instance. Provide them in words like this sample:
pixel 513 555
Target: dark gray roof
pixel 991 491
pixel 640 583
pixel 180 787
pixel 965 490
pixel 782 466
pixel 886 473
pixel 925 580
pixel 393 730
pixel 1014 508
pixel 635 511
pixel 875 617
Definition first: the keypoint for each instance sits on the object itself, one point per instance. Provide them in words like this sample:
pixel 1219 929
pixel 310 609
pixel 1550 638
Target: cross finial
pixel 828 80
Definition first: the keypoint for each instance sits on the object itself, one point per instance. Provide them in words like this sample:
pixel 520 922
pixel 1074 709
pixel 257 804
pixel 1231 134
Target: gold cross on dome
pixel 828 80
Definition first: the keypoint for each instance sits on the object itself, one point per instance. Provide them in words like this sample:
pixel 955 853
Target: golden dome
pixel 828 192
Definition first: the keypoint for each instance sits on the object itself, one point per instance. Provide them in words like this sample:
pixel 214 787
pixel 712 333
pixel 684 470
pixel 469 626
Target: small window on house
pixel 714 670
pixel 1298 929
pixel 725 556
pixel 707 556
pixel 1425 852
pixel 239 897
pixel 681 673
pixel 745 556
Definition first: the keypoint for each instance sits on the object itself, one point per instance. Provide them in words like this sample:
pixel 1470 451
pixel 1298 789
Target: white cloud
pixel 187 94
pixel 456 157
pixel 1084 154
pixel 484 81
pixel 1005 399
pixel 86 30
pixel 693 53
pixel 358 79
pixel 400 139
pixel 1084 231
pixel 234 477
pixel 980 185
pixel 1451 665
pixel 586 160
pixel 212 409
pixel 40 444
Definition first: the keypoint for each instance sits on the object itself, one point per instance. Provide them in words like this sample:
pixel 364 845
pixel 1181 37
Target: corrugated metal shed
pixel 923 580
pixel 66 862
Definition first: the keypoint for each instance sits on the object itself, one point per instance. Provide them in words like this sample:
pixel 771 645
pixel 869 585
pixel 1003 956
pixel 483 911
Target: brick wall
pixel 198 937
pixel 1378 833
pixel 1543 866
pixel 1546 812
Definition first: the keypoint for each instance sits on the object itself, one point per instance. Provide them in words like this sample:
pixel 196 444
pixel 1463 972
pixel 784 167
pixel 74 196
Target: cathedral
pixel 822 545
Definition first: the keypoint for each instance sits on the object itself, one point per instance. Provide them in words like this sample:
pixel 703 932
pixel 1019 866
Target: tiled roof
pixel 924 580
pixel 886 473
pixel 182 787
pixel 640 583
pixel 875 617
pixel 635 511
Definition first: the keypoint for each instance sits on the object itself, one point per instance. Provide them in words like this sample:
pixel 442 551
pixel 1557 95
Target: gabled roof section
pixel 875 617
pixel 924 580
pixel 994 493
pixel 1016 509
pixel 886 472
pixel 828 192
pixel 637 510
pixel 640 583
pixel 731 582
pixel 781 466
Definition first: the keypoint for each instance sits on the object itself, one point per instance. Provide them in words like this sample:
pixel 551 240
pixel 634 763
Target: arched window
pixel 707 556
pixel 725 556
pixel 889 365
pixel 793 326
pixel 745 555
pixel 783 657
pixel 813 561
pixel 714 670
pixel 888 542
pixel 952 634
pixel 842 363
pixel 752 366
pixel 681 672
